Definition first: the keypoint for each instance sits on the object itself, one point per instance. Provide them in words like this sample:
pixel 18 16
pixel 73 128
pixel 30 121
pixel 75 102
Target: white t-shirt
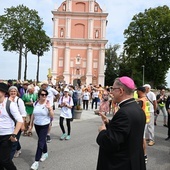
pixel 86 96
pixel 51 94
pixel 152 97
pixel 65 111
pixel 7 125
pixel 41 114
pixel 21 106
pixel 95 94
pixel 36 89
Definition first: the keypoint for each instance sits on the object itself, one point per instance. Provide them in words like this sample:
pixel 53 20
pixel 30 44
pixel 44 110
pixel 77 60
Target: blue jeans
pixel 42 145
pixel 95 100
pixel 165 114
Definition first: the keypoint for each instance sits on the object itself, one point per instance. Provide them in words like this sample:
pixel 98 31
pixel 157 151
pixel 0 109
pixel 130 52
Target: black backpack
pixel 8 110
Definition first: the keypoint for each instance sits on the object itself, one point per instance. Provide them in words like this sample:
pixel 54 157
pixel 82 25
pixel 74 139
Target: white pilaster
pixel 66 73
pixel 90 28
pixel 89 66
pixel 103 26
pixel 68 27
pixel 91 5
pixel 68 4
pixel 55 27
pixel 101 75
pixel 54 60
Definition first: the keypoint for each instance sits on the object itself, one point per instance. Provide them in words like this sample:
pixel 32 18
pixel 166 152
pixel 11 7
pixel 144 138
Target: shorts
pixel 28 118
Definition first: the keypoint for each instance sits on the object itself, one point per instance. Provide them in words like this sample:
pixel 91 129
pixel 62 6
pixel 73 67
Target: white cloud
pixel 120 15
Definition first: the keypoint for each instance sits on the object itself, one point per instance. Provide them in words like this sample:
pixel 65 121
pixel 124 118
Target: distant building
pixel 78 42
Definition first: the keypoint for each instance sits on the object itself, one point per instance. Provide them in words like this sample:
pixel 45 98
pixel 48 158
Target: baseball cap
pixel 3 87
pixel 128 82
pixel 141 88
pixel 45 82
pixel 66 90
pixel 147 85
pixel 10 82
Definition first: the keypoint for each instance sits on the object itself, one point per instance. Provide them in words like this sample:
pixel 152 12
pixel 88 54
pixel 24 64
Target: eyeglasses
pixel 43 94
pixel 115 88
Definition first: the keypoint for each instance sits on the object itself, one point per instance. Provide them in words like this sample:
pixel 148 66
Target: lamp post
pixel 143 74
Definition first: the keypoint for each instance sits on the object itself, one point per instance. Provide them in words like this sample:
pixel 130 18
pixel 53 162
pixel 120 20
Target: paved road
pixel 80 153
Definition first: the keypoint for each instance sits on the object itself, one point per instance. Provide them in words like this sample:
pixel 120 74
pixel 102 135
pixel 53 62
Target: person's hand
pixel 103 127
pixel 104 118
pixel 22 127
pixel 29 129
pixel 48 104
pixel 13 139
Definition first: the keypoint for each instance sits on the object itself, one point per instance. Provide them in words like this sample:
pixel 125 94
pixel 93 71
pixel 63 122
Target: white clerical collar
pixel 123 101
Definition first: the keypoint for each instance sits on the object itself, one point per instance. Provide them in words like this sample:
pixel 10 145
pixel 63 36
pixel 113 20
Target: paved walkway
pixel 80 153
pixel 86 114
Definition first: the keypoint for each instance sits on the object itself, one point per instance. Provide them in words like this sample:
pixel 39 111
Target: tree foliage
pixel 17 26
pixel 112 64
pixel 39 43
pixel 148 43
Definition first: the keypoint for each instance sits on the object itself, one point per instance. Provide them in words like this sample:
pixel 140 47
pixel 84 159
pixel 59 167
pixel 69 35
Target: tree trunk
pixel 20 63
pixel 25 70
pixel 38 64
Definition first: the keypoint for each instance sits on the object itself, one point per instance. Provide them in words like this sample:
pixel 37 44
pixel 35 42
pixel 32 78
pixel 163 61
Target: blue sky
pixel 120 15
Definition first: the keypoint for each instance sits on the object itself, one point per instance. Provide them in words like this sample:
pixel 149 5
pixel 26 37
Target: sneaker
pixel 168 138
pixel 165 125
pixel 147 140
pixel 151 143
pixel 35 165
pixel 44 157
pixel 67 137
pixel 146 159
pixel 63 136
pixel 48 139
pixel 17 153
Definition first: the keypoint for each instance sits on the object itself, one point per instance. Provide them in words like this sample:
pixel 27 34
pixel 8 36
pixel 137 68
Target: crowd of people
pixel 25 105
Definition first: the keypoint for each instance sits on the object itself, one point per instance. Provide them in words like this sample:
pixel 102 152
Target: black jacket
pixel 121 144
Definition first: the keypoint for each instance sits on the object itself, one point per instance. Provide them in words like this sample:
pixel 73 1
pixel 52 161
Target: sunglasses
pixel 43 94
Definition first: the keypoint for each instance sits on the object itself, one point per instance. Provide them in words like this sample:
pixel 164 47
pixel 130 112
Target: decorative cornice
pixel 79 14
pixel 78 41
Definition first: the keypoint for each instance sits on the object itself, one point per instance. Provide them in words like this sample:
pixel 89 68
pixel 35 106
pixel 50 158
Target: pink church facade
pixel 78 42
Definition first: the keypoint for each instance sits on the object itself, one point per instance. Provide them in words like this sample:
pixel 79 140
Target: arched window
pixel 61 32
pixel 97 34
pixel 78 59
pixel 95 8
pixel 77 71
pixel 64 7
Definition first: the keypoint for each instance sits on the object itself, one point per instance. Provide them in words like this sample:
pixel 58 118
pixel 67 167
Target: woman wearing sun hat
pixel 66 103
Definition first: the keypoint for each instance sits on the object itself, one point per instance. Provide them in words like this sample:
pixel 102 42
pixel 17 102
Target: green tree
pixel 39 44
pixel 15 27
pixel 127 67
pixel 148 43
pixel 112 64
